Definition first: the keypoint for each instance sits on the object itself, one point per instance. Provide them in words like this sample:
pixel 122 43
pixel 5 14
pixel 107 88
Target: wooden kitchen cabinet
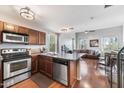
pixel 49 68
pixel 42 67
pixel 42 38
pixel 23 30
pixel 1 74
pixel 72 73
pixel 34 64
pixel 33 37
pixel 10 27
pixel 46 65
pixel 1 29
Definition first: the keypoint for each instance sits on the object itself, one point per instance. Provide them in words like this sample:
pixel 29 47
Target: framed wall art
pixel 94 43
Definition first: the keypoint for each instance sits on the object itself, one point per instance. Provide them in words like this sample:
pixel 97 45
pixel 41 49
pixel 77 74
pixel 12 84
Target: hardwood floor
pixel 91 78
pixel 26 84
pixel 31 84
pixel 56 85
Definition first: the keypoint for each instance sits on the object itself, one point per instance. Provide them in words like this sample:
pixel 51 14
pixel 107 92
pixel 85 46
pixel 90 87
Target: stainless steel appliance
pixel 16 65
pixel 60 70
pixel 9 37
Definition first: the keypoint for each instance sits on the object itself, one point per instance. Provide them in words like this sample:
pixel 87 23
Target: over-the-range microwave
pixel 10 37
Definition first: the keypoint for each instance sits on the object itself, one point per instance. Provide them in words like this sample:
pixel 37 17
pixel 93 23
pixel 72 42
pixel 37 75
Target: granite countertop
pixel 71 57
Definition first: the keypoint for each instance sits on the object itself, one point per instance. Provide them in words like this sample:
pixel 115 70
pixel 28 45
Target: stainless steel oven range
pixel 16 66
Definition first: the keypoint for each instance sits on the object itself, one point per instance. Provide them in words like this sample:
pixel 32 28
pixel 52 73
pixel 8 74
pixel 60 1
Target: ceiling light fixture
pixel 26 13
pixel 107 6
pixel 67 29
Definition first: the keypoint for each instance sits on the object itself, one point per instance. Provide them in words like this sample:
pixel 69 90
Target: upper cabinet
pixel 23 30
pixel 42 38
pixel 33 37
pixel 36 37
pixel 1 29
pixel 10 27
pixel 1 26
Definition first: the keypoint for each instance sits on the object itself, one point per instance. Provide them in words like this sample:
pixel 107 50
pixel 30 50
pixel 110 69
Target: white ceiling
pixel 53 18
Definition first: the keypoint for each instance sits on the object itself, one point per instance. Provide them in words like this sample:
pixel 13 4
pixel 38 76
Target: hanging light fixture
pixel 27 13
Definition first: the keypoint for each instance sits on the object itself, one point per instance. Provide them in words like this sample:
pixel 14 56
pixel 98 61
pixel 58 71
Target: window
pixel 82 43
pixel 110 43
pixel 52 42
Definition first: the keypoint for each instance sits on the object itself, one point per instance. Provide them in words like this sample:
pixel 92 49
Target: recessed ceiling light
pixel 26 13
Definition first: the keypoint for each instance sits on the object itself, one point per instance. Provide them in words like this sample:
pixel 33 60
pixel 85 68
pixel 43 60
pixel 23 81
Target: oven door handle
pixel 9 62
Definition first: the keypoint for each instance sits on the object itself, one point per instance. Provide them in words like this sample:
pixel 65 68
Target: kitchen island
pixel 63 68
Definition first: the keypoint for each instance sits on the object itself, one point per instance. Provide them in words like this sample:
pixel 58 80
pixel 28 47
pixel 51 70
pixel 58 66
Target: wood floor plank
pixel 26 84
pixel 56 85
pixel 91 77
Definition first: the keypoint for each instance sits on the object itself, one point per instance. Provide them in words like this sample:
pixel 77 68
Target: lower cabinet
pixel 72 73
pixel 1 29
pixel 34 64
pixel 49 68
pixel 46 65
pixel 0 74
pixel 41 65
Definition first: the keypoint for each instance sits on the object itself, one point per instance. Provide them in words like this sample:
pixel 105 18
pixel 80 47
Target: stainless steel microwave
pixel 8 37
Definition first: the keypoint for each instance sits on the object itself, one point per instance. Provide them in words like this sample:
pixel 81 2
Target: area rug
pixel 42 80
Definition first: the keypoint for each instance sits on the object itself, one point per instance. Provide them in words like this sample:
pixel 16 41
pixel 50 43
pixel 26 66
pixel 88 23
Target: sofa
pixel 91 54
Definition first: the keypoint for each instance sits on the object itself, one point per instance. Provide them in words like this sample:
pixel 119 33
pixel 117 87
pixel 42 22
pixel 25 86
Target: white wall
pixel 66 39
pixel 100 33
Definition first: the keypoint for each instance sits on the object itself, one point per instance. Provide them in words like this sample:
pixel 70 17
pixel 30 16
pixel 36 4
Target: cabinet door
pixel 0 74
pixel 42 67
pixel 1 29
pixel 42 38
pixel 10 27
pixel 23 30
pixel 72 73
pixel 33 37
pixel 49 68
pixel 34 64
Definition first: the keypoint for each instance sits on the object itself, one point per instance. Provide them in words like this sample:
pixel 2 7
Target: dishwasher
pixel 60 70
